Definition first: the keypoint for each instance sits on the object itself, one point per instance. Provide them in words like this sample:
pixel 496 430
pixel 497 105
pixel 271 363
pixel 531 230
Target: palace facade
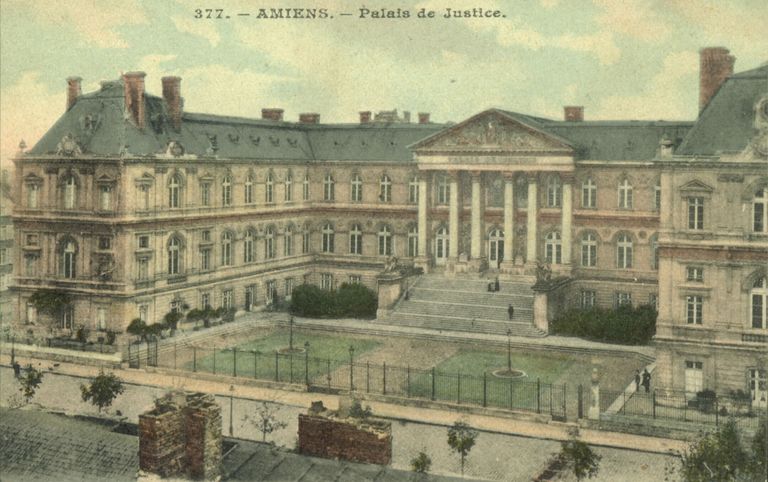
pixel 136 208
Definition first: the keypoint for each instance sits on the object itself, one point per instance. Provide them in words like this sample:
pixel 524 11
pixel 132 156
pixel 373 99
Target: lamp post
pixel 290 334
pixel 231 406
pixel 306 363
pixel 509 351
pixel 351 368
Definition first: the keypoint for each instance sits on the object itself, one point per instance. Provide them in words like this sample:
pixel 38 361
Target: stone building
pixel 137 207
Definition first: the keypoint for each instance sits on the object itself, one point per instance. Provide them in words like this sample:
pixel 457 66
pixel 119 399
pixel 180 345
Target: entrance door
pixel 495 248
pixel 694 378
pixel 757 388
pixel 441 245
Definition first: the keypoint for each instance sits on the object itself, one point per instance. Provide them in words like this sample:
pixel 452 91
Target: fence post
pixel 511 397
pixel 255 364
pixel 290 366
pixel 277 363
pixel 234 361
pixel 408 373
pixel 306 365
pixel 138 356
pixel 717 415
pixel 565 401
pixel 624 405
pixel 458 387
pixel 653 401
pixel 550 399
pixel 367 377
pixel 194 358
pixel 384 379
pixel 174 354
pixel 433 383
pixel 580 398
pixel 214 360
pixel 538 395
pixel 351 375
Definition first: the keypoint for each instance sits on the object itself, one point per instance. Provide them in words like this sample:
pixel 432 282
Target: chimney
pixel 134 96
pixel 365 116
pixel 309 118
pixel 73 90
pixel 574 113
pixel 172 96
pixel 423 117
pixel 715 65
pixel 272 114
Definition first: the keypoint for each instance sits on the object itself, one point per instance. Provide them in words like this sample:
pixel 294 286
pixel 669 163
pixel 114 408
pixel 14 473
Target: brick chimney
pixel 574 113
pixel 173 101
pixel 423 117
pixel 365 116
pixel 134 96
pixel 309 118
pixel 73 90
pixel 715 65
pixel 272 114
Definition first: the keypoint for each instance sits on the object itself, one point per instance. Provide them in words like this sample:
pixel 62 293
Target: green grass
pixel 325 352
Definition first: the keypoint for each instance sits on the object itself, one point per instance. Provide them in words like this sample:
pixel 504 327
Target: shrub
pixel 137 327
pixel 705 401
pixel 421 463
pixel 356 410
pixel 356 300
pixel 626 324
pixel 111 337
pixel 82 333
pixel 350 300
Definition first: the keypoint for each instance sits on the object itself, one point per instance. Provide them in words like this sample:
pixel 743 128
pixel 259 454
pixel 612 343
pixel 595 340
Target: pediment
pixel 494 131
pixel 696 186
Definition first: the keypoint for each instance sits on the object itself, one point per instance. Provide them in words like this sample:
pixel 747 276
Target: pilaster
pixel 532 235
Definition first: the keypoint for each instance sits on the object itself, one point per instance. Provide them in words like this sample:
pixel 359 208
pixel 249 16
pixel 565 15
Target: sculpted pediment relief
pixel 493 131
pixel 696 186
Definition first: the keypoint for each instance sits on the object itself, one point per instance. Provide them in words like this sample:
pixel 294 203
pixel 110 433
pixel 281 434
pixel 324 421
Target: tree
pixel 421 463
pixel 172 318
pixel 461 439
pixel 30 381
pixel 759 465
pixel 206 315
pixel 138 328
pixel 266 420
pixel 102 390
pixel 53 303
pixel 717 456
pixel 580 457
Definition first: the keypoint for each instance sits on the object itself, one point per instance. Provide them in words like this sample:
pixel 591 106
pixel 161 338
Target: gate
pixel 143 354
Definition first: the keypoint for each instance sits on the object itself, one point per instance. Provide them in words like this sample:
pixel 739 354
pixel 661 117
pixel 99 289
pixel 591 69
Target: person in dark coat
pixel 16 369
pixel 496 284
pixel 511 311
pixel 646 380
pixel 637 380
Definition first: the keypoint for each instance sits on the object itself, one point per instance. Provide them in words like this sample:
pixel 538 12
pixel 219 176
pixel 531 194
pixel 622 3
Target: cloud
pixel 206 30
pixel 638 20
pixel 98 23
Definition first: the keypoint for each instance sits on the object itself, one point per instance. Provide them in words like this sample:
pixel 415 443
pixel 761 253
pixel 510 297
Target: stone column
pixel 567 218
pixel 477 216
pixel 509 218
pixel 423 222
pixel 453 217
pixel 532 238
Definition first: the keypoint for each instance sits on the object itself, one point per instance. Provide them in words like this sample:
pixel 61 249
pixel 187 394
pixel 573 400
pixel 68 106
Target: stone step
pixel 465 311
pixel 489 299
pixel 443 323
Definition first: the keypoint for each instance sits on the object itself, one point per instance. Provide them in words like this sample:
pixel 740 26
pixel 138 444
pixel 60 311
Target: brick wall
pixel 345 439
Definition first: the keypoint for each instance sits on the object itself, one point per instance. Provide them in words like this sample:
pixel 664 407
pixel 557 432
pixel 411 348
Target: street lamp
pixel 509 351
pixel 231 405
pixel 351 368
pixel 290 334
pixel 306 363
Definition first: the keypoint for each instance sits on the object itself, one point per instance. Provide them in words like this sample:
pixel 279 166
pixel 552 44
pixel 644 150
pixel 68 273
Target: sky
pixel 620 59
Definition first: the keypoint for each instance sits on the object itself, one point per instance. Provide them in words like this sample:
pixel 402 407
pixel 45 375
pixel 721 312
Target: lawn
pixel 261 358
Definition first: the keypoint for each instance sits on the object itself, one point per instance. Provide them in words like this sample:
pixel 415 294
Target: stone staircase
pixel 464 304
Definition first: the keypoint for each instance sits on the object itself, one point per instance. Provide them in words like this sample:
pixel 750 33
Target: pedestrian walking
pixel 511 311
pixel 637 380
pixel 646 380
pixel 496 284
pixel 16 369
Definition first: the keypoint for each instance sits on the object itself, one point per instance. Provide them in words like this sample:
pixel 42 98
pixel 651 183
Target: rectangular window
pixel 205 259
pixel 143 242
pixel 623 298
pixel 588 195
pixel 227 299
pixel 142 266
pixel 248 194
pixel 694 305
pixel 288 287
pixel 105 242
pixel 31 314
pixel 326 281
pixel 3 255
pixel 305 242
pixel 205 300
pixel 101 318
pixel 206 235
pixel 271 291
pixel 32 240
pixel 33 191
pixel 694 273
pixel 758 311
pixel 305 189
pixel 143 197
pixel 30 265
pixel 694 377
pixel 288 243
pixel 657 197
pixel 588 299
pixel 205 194
pixel 695 213
pixel 413 191
pixel 355 279
pixel 105 198
pixel 144 313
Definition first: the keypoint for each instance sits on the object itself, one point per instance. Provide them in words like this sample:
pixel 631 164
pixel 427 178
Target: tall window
pixel 328 188
pixel 33 195
pixel 413 190
pixel 657 196
pixel 588 194
pixel 306 241
pixel 174 191
pixel 759 211
pixel 70 192
pixel 205 194
pixel 654 252
pixel 305 188
pixel 553 248
pixel 288 241
pixel 554 192
pixel 326 281
pixel 693 309
pixel 101 319
pixel 625 194
pixel 623 251
pixel 248 244
pixel 248 189
pixel 328 235
pixel 589 249
pixel 143 197
pixel 269 243
pixel 356 189
pixel 696 213
pixel 385 241
pixel 588 299
pixel 759 296
pixel 68 260
pixel 288 194
pixel 623 298
pixel 269 189
pixel 205 259
pixel 443 191
pixel 227 299
pixel 385 189
pixel 174 256
pixel 355 240
pixel 226 249
pixel 413 241
pixel 105 198
pixel 226 191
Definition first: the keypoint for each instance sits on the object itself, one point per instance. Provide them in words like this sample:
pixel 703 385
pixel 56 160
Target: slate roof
pixel 727 123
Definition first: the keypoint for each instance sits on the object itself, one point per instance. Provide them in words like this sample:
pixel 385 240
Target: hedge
pixel 625 325
pixel 349 301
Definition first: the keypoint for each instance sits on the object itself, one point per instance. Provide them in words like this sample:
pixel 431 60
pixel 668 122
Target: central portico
pixel 486 173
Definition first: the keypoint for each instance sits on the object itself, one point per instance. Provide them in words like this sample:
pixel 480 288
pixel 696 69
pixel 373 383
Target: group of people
pixel 494 285
pixel 644 380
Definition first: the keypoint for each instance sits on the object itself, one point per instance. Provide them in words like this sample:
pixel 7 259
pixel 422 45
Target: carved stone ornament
pixel 68 146
pixel 493 132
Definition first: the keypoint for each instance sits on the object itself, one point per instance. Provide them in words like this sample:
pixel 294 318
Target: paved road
pixel 495 457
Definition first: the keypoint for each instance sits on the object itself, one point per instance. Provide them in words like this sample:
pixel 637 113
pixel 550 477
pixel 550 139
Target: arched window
pixel 248 247
pixel 413 190
pixel 553 248
pixel 174 255
pixel 288 241
pixel 288 187
pixel 625 194
pixel 554 192
pixel 328 238
pixel 588 249
pixel 305 188
pixel 226 249
pixel 174 191
pixel 248 193
pixel 443 191
pixel 385 189
pixel 70 192
pixel 385 241
pixel 328 188
pixel 760 211
pixel 69 260
pixel 226 191
pixel 759 296
pixel 654 244
pixel 589 194
pixel 413 241
pixel 356 189
pixel 623 251
pixel 269 189
pixel 355 240
pixel 269 243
